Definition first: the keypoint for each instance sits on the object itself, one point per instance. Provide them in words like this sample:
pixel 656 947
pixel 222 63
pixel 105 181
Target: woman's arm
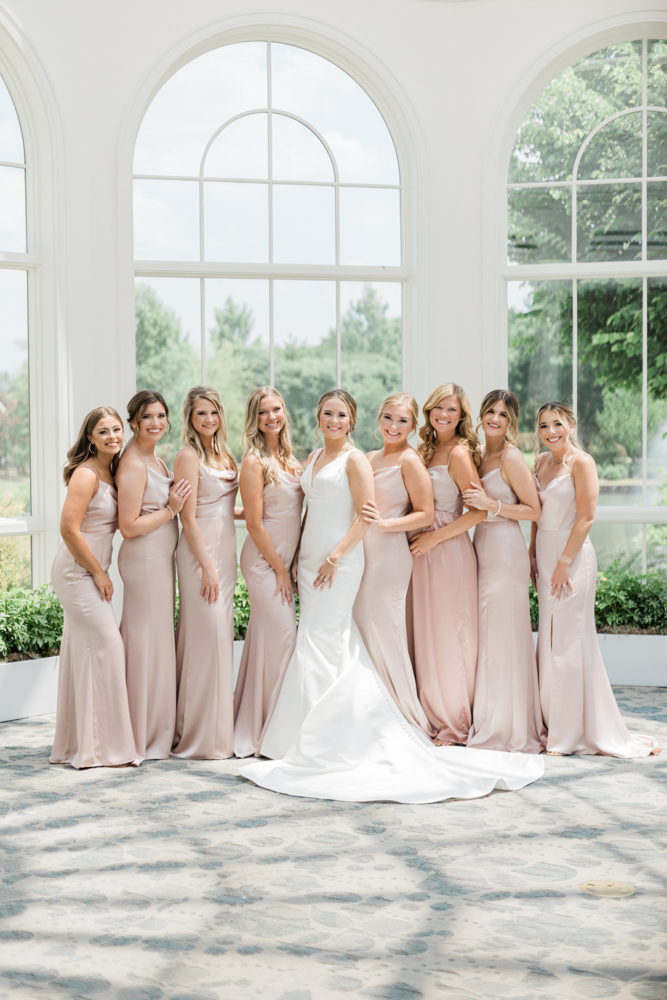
pixel 420 490
pixel 360 478
pixel 518 477
pixel 585 477
pixel 82 488
pixel 252 494
pixel 186 468
pixel 131 484
pixel 463 472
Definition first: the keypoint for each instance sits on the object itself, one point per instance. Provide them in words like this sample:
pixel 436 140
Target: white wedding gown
pixel 336 732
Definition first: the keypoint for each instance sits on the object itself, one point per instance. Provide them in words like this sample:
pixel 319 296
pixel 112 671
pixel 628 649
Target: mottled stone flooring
pixel 181 881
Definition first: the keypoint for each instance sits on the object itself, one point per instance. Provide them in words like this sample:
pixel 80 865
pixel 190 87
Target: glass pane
pixel 539 225
pixel 298 155
pixel 656 220
pixel 303 225
pixel 237 345
pixel 304 337
pixel 572 105
pixel 241 150
pixel 657 395
pixel 620 543
pixel 656 547
pixel 14 395
pixel 16 562
pixel 657 145
pixel 11 139
pixel 609 222
pixel 325 96
pixel 236 222
pixel 540 346
pixel 166 220
pixel 167 345
pixel 370 350
pixel 615 151
pixel 12 210
pixel 609 385
pixel 370 227
pixel 657 73
pixel 196 101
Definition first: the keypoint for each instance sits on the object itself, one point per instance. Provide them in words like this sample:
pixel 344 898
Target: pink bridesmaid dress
pixel 205 633
pixel 444 609
pixel 506 711
pixel 379 610
pixel 578 703
pixel 271 636
pixel 146 565
pixel 93 727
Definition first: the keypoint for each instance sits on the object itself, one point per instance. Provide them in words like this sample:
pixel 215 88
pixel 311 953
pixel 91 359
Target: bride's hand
pixel 325 574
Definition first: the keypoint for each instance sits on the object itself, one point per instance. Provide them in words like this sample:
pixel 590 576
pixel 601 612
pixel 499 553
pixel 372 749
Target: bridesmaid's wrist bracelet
pixel 172 513
pixel 498 511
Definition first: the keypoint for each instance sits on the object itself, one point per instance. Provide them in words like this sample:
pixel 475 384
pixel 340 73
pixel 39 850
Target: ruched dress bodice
pixel 156 492
pixel 559 505
pixel 99 525
pixel 216 492
pixel 447 497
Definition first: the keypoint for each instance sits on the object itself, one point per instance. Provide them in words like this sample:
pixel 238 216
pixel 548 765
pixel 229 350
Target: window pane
pixel 241 150
pixel 196 101
pixel 11 139
pixel 616 150
pixel 236 222
pixel 237 345
pixel 326 97
pixel 12 210
pixel 540 345
pixel 617 542
pixel 298 155
pixel 166 220
pixel 657 396
pixel 304 336
pixel 370 227
pixel 609 384
pixel 657 73
pixel 16 562
pixel 657 145
pixel 656 220
pixel 167 346
pixel 14 395
pixel 609 222
pixel 303 225
pixel 370 350
pixel 539 225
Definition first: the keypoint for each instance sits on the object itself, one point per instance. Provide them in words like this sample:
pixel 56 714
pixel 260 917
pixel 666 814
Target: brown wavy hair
pixel 253 439
pixel 464 429
pixel 512 405
pixel 350 403
pixel 222 456
pixel 139 403
pixel 80 451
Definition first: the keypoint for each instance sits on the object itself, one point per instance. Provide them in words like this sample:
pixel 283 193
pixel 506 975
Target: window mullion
pixel 575 348
pixel 202 327
pixel 338 339
pixel 272 363
pixel 269 103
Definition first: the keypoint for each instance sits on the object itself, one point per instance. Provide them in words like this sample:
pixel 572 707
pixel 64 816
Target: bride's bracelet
pixel 334 564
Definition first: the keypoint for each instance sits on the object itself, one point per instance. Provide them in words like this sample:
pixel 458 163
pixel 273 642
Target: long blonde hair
pixel 82 449
pixel 399 399
pixel 511 403
pixel 464 429
pixel 254 442
pixel 350 403
pixel 222 456
pixel 566 413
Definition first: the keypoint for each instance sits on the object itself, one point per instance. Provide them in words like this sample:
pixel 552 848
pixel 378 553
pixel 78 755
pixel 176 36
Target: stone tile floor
pixel 181 881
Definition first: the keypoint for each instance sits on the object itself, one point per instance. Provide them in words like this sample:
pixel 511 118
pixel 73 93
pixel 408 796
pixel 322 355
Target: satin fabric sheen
pixel 146 565
pixel 578 703
pixel 444 619
pixel 271 635
pixel 338 730
pixel 93 727
pixel 379 610
pixel 506 711
pixel 205 633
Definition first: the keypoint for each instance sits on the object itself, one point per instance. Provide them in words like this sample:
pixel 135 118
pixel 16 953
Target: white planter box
pixel 28 687
pixel 633 659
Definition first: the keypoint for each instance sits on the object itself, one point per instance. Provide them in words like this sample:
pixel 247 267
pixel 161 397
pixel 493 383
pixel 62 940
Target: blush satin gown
pixel 578 703
pixel 93 726
pixel 146 565
pixel 506 711
pixel 379 610
pixel 205 633
pixel 444 618
pixel 271 635
pixel 336 732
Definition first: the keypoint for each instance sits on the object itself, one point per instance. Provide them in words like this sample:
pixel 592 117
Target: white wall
pixel 453 80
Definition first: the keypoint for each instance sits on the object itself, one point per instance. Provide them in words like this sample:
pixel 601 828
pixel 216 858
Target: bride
pixel 336 732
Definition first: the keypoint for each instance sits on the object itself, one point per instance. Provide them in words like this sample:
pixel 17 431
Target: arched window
pixel 15 547
pixel 267 236
pixel 587 279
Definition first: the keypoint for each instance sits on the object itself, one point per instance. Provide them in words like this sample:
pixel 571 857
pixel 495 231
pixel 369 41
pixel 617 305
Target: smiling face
pixel 151 425
pixel 107 436
pixel 445 417
pixel 205 418
pixel 334 419
pixel 496 420
pixel 396 424
pixel 270 416
pixel 554 431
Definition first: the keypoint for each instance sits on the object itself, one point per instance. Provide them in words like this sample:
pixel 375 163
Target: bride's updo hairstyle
pixel 399 399
pixel 511 404
pixel 83 448
pixel 222 457
pixel 253 439
pixel 465 430
pixel 350 403
pixel 566 414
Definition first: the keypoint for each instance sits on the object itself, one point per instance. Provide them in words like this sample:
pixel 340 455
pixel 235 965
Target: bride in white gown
pixel 336 732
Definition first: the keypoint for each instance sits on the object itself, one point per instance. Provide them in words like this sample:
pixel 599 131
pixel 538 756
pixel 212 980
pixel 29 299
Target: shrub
pixel 31 622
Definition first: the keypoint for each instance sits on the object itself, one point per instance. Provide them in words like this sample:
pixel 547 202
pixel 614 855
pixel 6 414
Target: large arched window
pixel 587 279
pixel 267 235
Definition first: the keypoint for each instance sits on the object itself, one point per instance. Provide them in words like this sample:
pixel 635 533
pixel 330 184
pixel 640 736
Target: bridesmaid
pixel 148 501
pixel 403 502
pixel 506 710
pixel 578 703
pixel 272 503
pixel 444 576
pixel 206 560
pixel 93 727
